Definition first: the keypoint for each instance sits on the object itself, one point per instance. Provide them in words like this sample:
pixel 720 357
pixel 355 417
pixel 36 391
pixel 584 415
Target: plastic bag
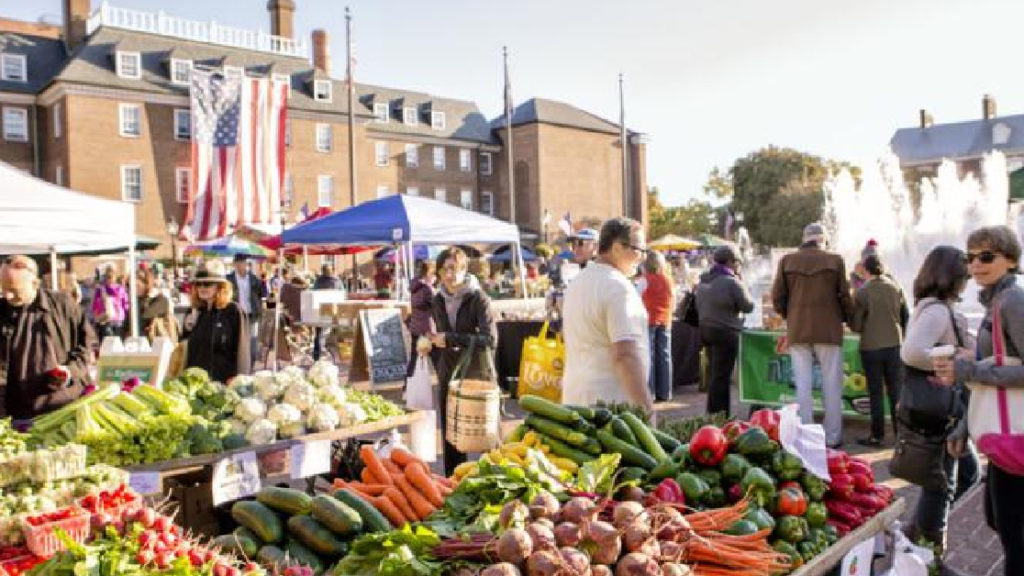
pixel 805 440
pixel 419 392
pixel 908 558
pixel 542 365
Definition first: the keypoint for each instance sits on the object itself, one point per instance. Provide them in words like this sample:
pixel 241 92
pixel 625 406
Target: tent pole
pixel 133 293
pixel 54 282
pixel 305 259
pixel 272 362
pixel 522 273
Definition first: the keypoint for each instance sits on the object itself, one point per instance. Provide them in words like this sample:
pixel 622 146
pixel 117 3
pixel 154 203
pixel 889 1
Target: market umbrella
pixel 504 254
pixel 274 242
pixel 673 242
pixel 227 246
pixel 712 241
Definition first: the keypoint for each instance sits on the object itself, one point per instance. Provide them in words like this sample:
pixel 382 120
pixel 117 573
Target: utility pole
pixel 624 136
pixel 508 140
pixel 351 88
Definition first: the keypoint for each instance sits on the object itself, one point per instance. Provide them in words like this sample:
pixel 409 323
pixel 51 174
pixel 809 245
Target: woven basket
pixel 474 415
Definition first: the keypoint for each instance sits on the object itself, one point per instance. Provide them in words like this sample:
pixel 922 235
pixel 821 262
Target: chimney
pixel 988 107
pixel 926 119
pixel 321 50
pixel 282 15
pixel 76 14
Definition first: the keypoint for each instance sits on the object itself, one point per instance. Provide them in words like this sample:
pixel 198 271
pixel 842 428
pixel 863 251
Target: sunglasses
pixel 642 251
pixel 985 257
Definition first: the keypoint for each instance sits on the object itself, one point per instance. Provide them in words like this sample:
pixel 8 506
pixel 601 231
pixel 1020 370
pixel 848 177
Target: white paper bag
pixel 805 440
pixel 908 558
pixel 419 392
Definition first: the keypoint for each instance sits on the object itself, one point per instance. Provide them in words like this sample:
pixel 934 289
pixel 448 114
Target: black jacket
pixel 218 342
pixel 257 292
pixel 474 323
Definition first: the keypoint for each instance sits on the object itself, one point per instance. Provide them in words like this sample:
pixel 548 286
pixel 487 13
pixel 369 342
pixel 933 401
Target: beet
pixel 546 522
pixel 671 524
pixel 502 569
pixel 544 505
pixel 637 564
pixel 567 534
pixel 631 494
pixel 514 546
pixel 602 539
pixel 579 509
pixel 576 562
pixel 671 551
pixel 626 512
pixel 635 535
pixel 543 537
pixel 544 563
pixel 599 570
pixel 675 569
pixel 514 513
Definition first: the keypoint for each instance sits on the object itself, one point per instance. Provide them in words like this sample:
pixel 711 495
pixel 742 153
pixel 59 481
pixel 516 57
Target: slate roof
pixel 554 112
pixel 43 56
pixel 967 139
pixel 463 120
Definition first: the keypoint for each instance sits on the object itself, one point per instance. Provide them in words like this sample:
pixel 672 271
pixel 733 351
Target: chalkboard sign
pixel 384 343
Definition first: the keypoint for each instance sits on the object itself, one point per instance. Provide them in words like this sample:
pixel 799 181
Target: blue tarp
pixel 400 219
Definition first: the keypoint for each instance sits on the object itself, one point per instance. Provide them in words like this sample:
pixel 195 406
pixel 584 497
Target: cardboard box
pixel 193 494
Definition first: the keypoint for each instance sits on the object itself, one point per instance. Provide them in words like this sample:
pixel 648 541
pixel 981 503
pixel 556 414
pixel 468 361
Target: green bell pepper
pixel 817 535
pixel 682 456
pixel 787 466
pixel 831 534
pixel 756 443
pixel 711 476
pixel 666 469
pixel 742 528
pixel 807 550
pixel 694 487
pixel 788 549
pixel 816 514
pixel 715 497
pixel 790 529
pixel 733 467
pixel 758 484
pixel 760 516
pixel 814 487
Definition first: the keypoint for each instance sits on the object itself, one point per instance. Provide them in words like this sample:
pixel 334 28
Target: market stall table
pixel 831 558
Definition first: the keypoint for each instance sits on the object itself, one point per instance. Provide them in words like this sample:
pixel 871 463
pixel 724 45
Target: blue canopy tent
pixel 504 254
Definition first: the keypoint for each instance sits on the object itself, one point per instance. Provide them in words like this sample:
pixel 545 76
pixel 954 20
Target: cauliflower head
pixel 300 394
pixel 323 373
pixel 284 413
pixel 293 429
pixel 332 394
pixel 266 385
pixel 249 410
pixel 350 414
pixel 261 431
pixel 322 417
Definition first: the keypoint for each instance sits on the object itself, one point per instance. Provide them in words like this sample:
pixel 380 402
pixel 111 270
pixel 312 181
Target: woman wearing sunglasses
pixel 993 256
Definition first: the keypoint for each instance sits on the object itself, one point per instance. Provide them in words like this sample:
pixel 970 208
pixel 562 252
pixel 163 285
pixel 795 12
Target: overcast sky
pixel 708 81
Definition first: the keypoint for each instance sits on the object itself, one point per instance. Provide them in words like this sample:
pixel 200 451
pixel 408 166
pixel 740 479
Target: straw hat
pixel 211 272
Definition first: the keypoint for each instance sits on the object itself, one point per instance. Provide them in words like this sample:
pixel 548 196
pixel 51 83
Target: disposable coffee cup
pixel 944 351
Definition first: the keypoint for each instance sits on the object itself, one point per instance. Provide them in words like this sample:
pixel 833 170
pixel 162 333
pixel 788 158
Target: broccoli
pixel 202 441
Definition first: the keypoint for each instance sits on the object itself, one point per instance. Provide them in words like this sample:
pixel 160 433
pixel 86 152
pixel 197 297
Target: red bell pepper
pixel 857 466
pixel 883 492
pixel 767 420
pixel 841 527
pixel 791 484
pixel 841 486
pixel 868 503
pixel 844 512
pixel 733 429
pixel 790 502
pixel 708 446
pixel 862 482
pixel 669 491
pixel 838 461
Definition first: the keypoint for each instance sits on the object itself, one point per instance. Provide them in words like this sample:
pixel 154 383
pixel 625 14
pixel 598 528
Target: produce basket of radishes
pixel 41 529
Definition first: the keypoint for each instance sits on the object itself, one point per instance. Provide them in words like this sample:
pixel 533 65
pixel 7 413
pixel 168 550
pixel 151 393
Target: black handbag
pixel 927 405
pixel 689 307
pixel 919 458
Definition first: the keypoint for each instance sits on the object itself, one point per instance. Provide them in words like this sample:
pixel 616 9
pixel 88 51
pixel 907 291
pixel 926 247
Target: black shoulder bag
pixel 925 404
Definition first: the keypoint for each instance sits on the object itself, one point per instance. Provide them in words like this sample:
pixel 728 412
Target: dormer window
pixel 437 120
pixel 322 90
pixel 13 67
pixel 181 72
pixel 1000 134
pixel 409 116
pixel 129 65
pixel 381 111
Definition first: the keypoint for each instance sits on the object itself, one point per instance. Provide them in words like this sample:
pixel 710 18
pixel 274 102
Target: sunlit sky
pixel 707 81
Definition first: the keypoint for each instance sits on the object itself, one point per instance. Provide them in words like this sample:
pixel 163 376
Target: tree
pixel 719 184
pixel 694 217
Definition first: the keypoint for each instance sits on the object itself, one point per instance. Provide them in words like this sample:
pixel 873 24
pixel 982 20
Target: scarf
pixel 452 302
pixel 722 270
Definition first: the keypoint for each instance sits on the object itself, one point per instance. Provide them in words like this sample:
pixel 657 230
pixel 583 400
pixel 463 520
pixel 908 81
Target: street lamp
pixel 172 230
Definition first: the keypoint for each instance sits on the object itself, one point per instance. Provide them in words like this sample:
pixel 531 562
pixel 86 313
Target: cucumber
pixel 373 520
pixel 602 416
pixel 644 436
pixel 630 454
pixel 271 556
pixel 592 446
pixel 315 536
pixel 548 409
pixel 556 430
pixel 246 533
pixel 299 554
pixel 585 411
pixel 632 473
pixel 287 500
pixel 618 427
pixel 667 442
pixel 517 434
pixel 337 516
pixel 239 545
pixel 260 519
pixel 559 448
pixel 584 427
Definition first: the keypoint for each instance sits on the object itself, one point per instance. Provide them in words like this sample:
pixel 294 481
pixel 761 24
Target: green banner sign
pixel 766 373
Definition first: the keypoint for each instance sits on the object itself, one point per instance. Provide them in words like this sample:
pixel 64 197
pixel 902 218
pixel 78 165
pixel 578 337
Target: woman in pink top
pixel 109 306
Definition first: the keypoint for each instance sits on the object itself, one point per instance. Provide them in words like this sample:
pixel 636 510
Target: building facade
pixel 103 107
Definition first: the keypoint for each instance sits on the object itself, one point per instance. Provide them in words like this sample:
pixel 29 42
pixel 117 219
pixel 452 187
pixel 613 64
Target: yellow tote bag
pixel 542 365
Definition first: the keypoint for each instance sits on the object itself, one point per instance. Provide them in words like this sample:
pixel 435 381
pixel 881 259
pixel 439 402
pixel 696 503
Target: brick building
pixel 103 107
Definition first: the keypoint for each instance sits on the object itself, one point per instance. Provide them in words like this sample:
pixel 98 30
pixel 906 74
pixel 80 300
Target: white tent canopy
pixel 37 217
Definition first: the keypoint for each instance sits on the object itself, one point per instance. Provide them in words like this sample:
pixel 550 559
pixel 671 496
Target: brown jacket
pixel 812 293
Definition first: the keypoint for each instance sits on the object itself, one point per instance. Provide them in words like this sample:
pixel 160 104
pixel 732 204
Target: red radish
pixel 147 538
pixel 162 524
pixel 232 571
pixel 195 558
pixel 209 556
pixel 251 567
pixel 220 569
pixel 144 557
pixel 169 539
pixel 101 520
pixel 164 559
pixel 147 516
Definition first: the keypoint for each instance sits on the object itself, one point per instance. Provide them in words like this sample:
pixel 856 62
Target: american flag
pixel 237 152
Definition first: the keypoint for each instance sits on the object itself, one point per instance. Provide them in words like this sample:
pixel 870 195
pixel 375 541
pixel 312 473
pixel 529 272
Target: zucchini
pixel 556 430
pixel 548 409
pixel 592 446
pixel 667 442
pixel 644 436
pixel 602 416
pixel 271 556
pixel 337 516
pixel 244 532
pixel 585 411
pixel 238 545
pixel 260 519
pixel 373 520
pixel 585 427
pixel 559 448
pixel 299 554
pixel 315 536
pixel 517 434
pixel 630 454
pixel 618 427
pixel 287 500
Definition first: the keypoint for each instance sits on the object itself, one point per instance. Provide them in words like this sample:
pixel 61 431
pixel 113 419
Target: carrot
pixel 403 457
pixel 444 490
pixel 391 467
pixel 421 505
pixel 447 482
pixel 368 477
pixel 396 497
pixel 368 489
pixel 374 465
pixel 388 509
pixel 422 481
pixel 338 484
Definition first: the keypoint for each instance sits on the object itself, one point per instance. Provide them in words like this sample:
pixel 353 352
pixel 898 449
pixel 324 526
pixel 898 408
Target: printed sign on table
pixel 234 477
pixel 310 458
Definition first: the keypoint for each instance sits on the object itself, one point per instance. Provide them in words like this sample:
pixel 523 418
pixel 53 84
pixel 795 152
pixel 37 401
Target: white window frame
pixel 439 160
pixel 382 112
pixel 410 117
pixel 437 120
pixel 486 163
pixel 21 136
pixel 122 107
pixel 187 65
pixel 412 191
pixel 381 153
pixel 324 183
pixel 125 168
pixel 180 113
pixel 182 178
pixel 465 160
pixel 412 156
pixel 466 199
pixel 58 175
pixel 487 200
pixel 120 64
pixel 58 126
pixel 383 191
pixel 441 194
pixel 325 129
pixel 318 95
pixel 22 61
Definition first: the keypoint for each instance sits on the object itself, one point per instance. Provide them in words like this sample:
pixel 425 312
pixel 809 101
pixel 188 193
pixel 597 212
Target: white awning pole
pixel 54 282
pixel 133 294
pixel 522 273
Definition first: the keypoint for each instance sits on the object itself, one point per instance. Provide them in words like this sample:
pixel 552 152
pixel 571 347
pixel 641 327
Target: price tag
pixel 145 482
pixel 310 458
pixel 234 477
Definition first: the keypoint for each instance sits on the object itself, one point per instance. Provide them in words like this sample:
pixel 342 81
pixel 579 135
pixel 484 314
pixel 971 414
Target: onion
pixel 626 512
pixel 567 534
pixel 576 562
pixel 544 505
pixel 514 546
pixel 675 569
pixel 637 564
pixel 543 537
pixel 513 513
pixel 635 535
pixel 544 563
pixel 501 569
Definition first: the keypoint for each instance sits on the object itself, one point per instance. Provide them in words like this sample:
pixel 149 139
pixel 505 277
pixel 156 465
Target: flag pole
pixel 351 89
pixel 626 204
pixel 508 140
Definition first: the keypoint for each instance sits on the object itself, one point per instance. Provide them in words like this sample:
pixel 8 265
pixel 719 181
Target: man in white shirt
pixel 605 324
